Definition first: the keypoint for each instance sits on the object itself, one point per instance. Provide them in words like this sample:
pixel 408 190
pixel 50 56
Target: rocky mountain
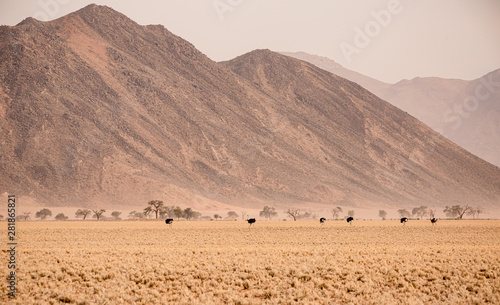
pixel 466 112
pixel 96 109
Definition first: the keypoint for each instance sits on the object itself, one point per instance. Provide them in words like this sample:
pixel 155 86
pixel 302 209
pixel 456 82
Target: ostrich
pixel 404 220
pixel 251 221
pixel 169 221
pixel 433 221
pixel 349 220
pixel 322 220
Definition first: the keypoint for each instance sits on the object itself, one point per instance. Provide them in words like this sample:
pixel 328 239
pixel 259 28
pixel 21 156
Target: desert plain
pixel 271 262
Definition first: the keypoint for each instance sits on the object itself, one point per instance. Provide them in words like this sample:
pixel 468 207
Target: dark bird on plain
pixel 169 221
pixel 251 221
pixel 404 220
pixel 322 220
pixel 349 220
pixel 433 221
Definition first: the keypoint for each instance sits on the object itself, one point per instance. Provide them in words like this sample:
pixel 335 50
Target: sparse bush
pixel 24 216
pixel 307 215
pixel 268 212
pixel 61 216
pixel 336 212
pixel 136 215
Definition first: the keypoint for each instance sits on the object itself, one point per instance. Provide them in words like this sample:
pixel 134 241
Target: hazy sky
pixel 387 39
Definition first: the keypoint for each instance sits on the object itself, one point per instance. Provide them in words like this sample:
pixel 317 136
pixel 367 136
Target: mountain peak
pixel 102 15
pixel 266 57
pixel 96 9
pixel 30 21
pixel 260 55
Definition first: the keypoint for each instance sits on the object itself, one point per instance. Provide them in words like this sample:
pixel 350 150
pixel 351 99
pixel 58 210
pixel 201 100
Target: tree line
pixel 455 212
pixel 159 210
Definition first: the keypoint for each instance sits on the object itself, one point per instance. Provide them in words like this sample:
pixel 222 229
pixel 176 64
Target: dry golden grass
pixel 369 262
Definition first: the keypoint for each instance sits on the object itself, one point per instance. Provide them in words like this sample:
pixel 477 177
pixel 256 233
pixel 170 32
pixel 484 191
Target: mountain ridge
pixel 441 103
pixel 97 109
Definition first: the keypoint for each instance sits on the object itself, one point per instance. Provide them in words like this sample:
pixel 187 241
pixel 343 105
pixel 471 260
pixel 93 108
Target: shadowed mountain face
pixel 466 112
pixel 96 109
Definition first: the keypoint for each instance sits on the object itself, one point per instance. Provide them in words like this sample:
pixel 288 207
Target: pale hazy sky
pixel 395 39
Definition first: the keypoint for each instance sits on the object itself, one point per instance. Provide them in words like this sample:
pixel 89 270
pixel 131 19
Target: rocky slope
pixel 96 109
pixel 466 112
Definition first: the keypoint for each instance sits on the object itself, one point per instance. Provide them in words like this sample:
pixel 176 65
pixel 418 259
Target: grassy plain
pixel 228 262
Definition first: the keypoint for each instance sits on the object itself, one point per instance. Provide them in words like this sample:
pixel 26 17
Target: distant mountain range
pixel 96 109
pixel 466 112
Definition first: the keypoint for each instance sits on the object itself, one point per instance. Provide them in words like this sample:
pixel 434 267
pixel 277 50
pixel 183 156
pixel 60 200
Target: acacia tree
pixel 293 213
pixel 404 213
pixel 268 212
pixel 154 206
pixel 167 211
pixel 116 215
pixel 307 215
pixel 43 214
pixel 216 216
pixel 336 212
pixel 350 213
pixel 420 211
pixel 188 213
pixel 232 215
pixel 178 212
pixel 382 214
pixel 456 211
pixel 479 210
pixel 82 213
pixel 474 212
pixel 26 215
pixel 98 213
pixel 135 215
